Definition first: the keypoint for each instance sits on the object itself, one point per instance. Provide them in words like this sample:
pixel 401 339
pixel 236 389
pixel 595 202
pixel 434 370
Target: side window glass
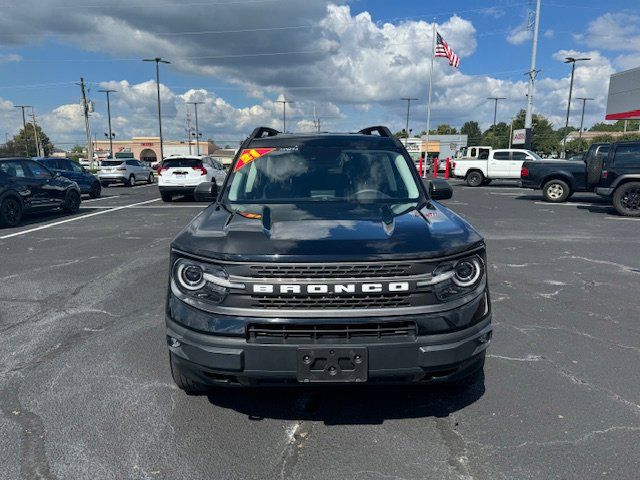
pixel 13 169
pixel 36 170
pixel 501 156
pixel 520 156
pixel 627 155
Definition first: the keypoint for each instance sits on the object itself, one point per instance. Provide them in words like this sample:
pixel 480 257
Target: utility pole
pixel 584 101
pixel 495 114
pixel 24 127
pixel 408 100
pixel 188 121
pixel 108 91
pixel 195 106
pixel 284 102
pixel 36 136
pixel 158 61
pixel 532 78
pixel 85 112
pixel 572 61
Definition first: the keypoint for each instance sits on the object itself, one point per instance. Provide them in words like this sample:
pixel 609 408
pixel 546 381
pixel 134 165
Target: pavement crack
pixel 297 435
pixel 33 456
pixel 456 446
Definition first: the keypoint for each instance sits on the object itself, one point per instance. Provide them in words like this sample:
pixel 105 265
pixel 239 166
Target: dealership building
pixel 148 148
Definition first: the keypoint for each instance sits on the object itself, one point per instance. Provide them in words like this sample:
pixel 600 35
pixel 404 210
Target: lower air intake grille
pixel 316 302
pixel 334 333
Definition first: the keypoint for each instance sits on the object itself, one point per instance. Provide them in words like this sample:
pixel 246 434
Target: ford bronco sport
pixel 324 259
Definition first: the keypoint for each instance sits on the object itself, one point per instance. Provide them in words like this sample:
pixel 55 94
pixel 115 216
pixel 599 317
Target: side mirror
pixel 206 192
pixel 440 189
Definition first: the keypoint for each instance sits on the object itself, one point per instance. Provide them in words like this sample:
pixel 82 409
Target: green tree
pixel 16 146
pixel 445 129
pixel 498 138
pixel 632 125
pixel 544 138
pixel 473 133
pixel 76 152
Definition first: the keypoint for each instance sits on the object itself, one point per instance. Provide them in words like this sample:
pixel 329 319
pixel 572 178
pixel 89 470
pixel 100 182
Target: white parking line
pixel 624 218
pixel 572 204
pixel 82 217
pixel 101 198
pixel 512 194
pixel 169 207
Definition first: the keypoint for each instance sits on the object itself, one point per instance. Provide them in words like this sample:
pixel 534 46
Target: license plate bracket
pixel 332 364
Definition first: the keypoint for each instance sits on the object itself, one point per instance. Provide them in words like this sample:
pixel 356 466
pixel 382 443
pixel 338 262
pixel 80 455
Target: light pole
pixel 495 115
pixel 408 100
pixel 195 106
pixel 572 61
pixel 284 102
pixel 584 102
pixel 108 91
pixel 24 127
pixel 158 61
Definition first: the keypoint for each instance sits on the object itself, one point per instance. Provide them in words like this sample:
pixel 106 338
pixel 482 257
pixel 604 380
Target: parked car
pixel 327 261
pixel 180 175
pixel 28 186
pixel 617 176
pixel 558 179
pixel 88 183
pixel 500 164
pixel 124 170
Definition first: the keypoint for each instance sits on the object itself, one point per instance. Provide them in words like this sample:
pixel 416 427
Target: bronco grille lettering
pixel 338 288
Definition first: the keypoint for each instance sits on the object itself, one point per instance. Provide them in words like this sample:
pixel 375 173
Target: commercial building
pixel 148 148
pixel 441 146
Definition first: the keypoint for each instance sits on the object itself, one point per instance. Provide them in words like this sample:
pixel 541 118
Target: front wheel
pixel 96 190
pixel 556 191
pixel 71 202
pixel 132 181
pixel 184 382
pixel 626 199
pixel 10 212
pixel 166 197
pixel 475 179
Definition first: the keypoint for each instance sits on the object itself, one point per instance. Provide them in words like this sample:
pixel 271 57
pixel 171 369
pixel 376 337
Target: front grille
pixel 335 333
pixel 316 302
pixel 331 271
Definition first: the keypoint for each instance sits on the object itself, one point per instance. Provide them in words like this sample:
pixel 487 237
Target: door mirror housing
pixel 440 189
pixel 206 192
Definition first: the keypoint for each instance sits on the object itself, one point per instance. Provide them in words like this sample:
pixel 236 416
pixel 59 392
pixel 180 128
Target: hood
pixel 330 232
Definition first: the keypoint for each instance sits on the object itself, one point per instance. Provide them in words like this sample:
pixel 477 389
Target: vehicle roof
pixel 512 150
pixel 197 157
pixel 325 139
pixel 14 158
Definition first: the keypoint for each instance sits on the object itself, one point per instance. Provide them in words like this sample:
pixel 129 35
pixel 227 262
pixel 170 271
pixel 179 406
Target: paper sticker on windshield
pixel 248 155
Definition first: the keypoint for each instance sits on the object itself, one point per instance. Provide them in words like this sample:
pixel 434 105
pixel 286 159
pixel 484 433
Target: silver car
pixel 124 170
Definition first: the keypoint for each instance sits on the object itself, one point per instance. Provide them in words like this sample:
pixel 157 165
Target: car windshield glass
pixel 321 174
pixel 111 163
pixel 181 162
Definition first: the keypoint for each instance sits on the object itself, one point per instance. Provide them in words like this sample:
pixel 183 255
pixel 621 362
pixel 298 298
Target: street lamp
pixel 158 61
pixel 110 135
pixel 584 102
pixel 284 102
pixel 572 61
pixel 197 134
pixel 495 114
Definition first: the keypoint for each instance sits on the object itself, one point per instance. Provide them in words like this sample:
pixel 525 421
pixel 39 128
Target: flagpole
pixel 433 50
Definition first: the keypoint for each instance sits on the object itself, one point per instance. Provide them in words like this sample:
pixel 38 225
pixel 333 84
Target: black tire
pixel 626 199
pixel 96 190
pixel 594 170
pixel 556 191
pixel 104 185
pixel 10 212
pixel 184 382
pixel 166 197
pixel 71 202
pixel 132 181
pixel 150 178
pixel 475 178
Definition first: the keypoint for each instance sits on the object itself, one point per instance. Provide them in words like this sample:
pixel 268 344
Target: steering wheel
pixel 376 193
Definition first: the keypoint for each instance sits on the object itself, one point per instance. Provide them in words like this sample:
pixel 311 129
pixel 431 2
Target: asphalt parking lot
pixel 86 392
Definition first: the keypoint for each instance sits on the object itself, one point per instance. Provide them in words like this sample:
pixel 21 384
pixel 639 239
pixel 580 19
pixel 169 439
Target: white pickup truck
pixel 501 164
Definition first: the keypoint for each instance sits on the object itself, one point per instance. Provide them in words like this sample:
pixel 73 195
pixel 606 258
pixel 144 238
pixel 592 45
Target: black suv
pixel 324 259
pixel 28 186
pixel 617 176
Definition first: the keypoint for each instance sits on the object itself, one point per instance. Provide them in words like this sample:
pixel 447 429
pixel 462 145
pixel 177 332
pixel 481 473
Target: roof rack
pixel 382 131
pixel 259 132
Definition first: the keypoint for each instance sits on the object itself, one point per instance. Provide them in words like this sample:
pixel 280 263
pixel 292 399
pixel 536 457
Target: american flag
pixel 443 50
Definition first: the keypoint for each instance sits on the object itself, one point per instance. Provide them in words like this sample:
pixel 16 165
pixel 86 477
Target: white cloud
pixel 9 58
pixel 519 35
pixel 618 32
pixel 550 33
pixel 495 12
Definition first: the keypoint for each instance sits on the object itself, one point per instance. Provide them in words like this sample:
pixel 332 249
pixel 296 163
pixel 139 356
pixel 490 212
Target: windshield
pixel 322 174
pixel 111 163
pixel 181 162
pixel 534 155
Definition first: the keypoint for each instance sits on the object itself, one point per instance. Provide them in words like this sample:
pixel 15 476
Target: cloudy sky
pixel 350 60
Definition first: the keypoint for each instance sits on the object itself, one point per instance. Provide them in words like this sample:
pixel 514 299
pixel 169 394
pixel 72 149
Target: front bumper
pixel 109 178
pixel 233 360
pixel 177 189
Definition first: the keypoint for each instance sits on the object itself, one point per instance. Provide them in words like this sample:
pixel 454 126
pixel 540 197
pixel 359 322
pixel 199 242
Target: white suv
pixel 124 170
pixel 180 175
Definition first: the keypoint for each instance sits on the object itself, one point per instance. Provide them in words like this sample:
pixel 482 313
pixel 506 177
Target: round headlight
pixel 191 277
pixel 467 272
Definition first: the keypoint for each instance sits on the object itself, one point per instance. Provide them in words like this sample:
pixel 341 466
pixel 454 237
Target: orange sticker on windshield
pixel 248 155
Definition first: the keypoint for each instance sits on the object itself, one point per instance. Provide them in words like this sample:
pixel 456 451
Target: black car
pixel 87 182
pixel 559 179
pixel 324 259
pixel 28 186
pixel 617 176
